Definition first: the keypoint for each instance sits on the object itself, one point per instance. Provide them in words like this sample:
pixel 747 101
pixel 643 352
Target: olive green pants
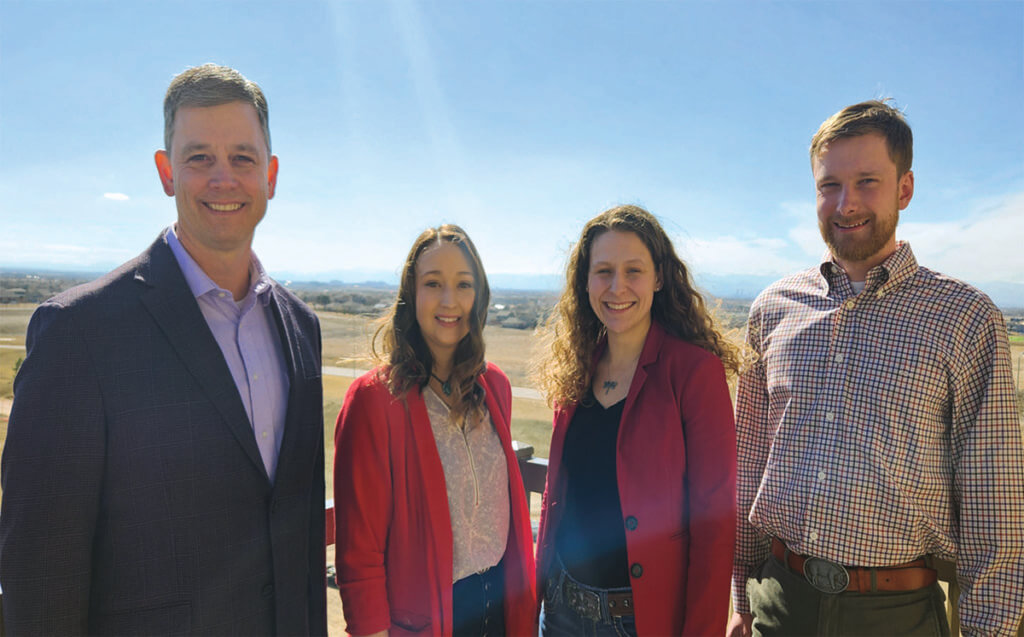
pixel 784 603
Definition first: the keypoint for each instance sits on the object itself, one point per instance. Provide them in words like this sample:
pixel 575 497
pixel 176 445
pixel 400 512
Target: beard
pixel 860 249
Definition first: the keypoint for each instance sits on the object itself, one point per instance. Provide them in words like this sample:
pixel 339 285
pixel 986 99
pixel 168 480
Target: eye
pixel 466 285
pixel 198 158
pixel 868 181
pixel 828 185
pixel 244 159
pixel 431 284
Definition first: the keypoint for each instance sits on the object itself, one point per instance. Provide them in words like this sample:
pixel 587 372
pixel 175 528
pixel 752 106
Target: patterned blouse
pixel 476 478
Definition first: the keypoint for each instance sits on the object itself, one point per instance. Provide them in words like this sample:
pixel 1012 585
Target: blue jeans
pixel 558 619
pixel 478 604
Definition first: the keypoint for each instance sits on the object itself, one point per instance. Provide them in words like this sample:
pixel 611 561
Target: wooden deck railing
pixel 535 471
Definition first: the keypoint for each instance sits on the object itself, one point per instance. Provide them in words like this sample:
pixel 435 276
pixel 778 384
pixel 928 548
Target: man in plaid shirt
pixel 878 428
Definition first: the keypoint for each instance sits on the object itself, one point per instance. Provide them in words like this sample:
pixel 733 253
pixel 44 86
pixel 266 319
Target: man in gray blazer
pixel 164 464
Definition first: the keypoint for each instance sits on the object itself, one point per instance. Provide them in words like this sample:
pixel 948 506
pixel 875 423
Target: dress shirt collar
pixel 898 267
pixel 200 283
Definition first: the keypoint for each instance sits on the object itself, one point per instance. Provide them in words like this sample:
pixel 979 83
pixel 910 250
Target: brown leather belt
pixel 901 577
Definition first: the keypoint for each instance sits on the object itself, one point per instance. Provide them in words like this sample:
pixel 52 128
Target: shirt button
pixel 220 295
pixel 636 570
pixel 631 523
pixel 264 434
pixel 839 357
pixel 850 304
pixel 830 416
pixel 880 293
pixel 821 476
pixel 814 536
pixel 268 590
pixel 255 376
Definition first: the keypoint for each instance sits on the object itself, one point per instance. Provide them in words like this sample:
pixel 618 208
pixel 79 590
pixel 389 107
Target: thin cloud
pixel 116 196
pixel 731 255
pixel 985 246
pixel 62 254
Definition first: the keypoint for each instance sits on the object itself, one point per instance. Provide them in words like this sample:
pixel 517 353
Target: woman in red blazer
pixel 638 522
pixel 433 527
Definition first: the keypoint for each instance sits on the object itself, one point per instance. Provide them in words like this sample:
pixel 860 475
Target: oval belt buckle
pixel 826 576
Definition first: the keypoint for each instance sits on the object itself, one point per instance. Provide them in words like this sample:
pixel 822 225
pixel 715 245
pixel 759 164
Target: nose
pixel 847 201
pixel 616 283
pixel 222 175
pixel 448 296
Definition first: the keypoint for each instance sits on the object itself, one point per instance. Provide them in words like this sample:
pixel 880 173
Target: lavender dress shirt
pixel 247 335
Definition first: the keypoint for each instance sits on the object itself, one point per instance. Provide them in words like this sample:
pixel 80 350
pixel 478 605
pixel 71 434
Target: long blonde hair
pixel 572 333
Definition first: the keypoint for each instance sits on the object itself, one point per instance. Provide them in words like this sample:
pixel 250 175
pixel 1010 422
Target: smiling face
pixel 860 196
pixel 621 283
pixel 445 292
pixel 221 175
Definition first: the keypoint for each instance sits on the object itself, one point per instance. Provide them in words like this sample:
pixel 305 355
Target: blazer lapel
pixel 299 368
pixel 648 356
pixel 175 310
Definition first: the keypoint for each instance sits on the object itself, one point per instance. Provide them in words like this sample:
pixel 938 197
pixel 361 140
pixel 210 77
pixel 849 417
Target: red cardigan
pixel 394 532
pixel 676 467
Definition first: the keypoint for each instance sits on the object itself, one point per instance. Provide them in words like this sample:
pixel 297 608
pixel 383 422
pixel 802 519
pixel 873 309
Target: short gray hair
pixel 212 85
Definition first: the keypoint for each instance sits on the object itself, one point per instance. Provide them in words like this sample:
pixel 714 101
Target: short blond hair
pixel 873 116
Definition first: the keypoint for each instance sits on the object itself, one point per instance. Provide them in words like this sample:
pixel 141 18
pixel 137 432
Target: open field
pixel 346 343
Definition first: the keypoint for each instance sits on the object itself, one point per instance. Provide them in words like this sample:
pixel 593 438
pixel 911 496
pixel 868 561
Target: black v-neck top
pixel 591 537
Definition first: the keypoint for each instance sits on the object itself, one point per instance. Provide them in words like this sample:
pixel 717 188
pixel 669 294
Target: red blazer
pixel 676 467
pixel 394 532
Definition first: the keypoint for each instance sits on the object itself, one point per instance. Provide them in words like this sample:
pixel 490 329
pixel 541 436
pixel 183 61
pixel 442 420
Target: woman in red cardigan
pixel 433 527
pixel 637 528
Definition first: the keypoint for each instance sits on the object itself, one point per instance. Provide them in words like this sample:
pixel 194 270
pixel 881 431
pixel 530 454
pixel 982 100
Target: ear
pixel 905 189
pixel 163 168
pixel 271 176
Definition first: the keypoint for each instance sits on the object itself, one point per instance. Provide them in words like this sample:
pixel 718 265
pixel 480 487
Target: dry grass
pixel 346 343
pixel 1017 359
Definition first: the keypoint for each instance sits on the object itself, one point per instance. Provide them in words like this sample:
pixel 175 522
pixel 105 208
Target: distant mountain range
pixel 1005 294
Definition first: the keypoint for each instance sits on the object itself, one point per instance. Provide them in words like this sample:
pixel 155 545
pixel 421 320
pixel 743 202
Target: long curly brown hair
pixel 399 346
pixel 573 331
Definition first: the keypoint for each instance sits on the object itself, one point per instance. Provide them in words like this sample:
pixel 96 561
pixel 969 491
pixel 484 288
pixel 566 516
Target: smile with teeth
pixel 619 306
pixel 448 320
pixel 851 226
pixel 224 207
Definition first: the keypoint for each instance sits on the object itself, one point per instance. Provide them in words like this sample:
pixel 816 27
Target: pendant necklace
pixel 446 385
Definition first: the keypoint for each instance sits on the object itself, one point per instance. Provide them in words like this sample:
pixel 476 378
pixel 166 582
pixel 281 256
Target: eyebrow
pixel 460 273
pixel 639 260
pixel 196 146
pixel 863 173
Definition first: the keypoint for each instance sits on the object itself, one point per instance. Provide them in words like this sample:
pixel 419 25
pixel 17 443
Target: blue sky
pixel 517 120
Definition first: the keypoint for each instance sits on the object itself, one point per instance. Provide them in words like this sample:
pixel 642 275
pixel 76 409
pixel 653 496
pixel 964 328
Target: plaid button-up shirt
pixel 882 426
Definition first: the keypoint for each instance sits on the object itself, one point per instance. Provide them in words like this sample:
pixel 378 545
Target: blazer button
pixel 631 523
pixel 636 570
pixel 268 590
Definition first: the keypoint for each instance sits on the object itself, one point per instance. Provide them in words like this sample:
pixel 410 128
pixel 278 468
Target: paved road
pixel 351 372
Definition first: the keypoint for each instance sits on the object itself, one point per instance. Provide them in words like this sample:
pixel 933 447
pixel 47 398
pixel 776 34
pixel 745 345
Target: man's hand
pixel 739 625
